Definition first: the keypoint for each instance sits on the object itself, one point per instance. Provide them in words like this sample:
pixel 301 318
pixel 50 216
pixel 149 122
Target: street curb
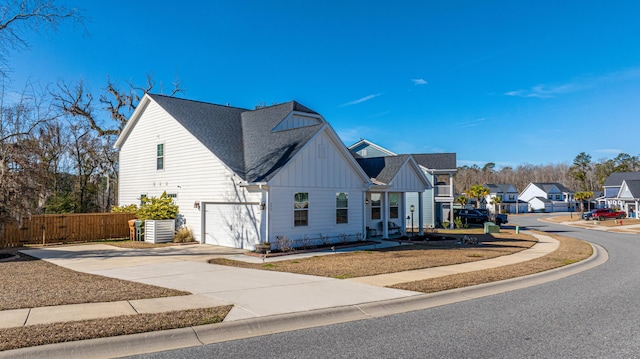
pixel 216 333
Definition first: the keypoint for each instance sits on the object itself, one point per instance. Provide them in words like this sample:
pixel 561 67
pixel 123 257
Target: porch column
pixel 384 207
pixel 451 215
pixel 403 208
pixel 420 214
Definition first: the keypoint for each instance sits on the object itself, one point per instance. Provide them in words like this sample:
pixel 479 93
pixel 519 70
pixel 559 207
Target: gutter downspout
pixel 267 205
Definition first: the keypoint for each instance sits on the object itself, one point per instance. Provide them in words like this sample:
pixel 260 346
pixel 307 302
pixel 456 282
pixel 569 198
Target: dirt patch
pixel 28 283
pixel 397 259
pixel 14 338
pixel 570 251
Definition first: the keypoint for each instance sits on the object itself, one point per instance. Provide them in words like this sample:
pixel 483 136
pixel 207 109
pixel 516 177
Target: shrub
pixel 130 208
pixel 183 235
pixel 306 242
pixel 457 222
pixel 157 208
pixel 284 243
pixel 343 238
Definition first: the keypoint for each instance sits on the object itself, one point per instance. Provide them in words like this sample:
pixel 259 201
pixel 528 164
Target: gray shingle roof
pixel 634 188
pixel 436 161
pixel 266 151
pixel 616 178
pixel 495 188
pixel 548 186
pixel 242 138
pixel 382 169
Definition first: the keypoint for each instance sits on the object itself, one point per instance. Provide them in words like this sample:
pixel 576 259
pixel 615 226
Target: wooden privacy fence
pixel 57 228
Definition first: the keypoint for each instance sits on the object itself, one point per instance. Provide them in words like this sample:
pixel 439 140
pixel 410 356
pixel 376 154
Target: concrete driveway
pixel 255 293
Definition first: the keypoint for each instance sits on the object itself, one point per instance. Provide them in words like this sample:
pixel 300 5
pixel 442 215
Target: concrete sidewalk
pixel 254 293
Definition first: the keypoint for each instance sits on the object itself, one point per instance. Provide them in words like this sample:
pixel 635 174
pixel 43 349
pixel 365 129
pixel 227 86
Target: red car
pixel 604 213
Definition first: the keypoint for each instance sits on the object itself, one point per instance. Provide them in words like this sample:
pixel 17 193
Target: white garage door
pixel 234 225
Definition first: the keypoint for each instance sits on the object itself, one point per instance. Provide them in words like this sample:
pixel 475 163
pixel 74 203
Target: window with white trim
pixel 301 209
pixel 160 156
pixel 342 207
pixel 375 205
pixel 394 200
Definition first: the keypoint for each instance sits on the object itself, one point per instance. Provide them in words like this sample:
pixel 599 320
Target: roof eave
pixel 135 116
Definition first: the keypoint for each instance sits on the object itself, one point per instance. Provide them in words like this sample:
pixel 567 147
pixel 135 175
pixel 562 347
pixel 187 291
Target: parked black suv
pixel 472 216
pixel 498 218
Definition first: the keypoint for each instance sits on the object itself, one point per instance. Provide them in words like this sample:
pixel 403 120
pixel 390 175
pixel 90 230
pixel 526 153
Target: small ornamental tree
pixel 478 192
pixel 495 201
pixel 462 201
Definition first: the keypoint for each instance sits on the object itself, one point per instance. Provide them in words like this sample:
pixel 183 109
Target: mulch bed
pixel 319 248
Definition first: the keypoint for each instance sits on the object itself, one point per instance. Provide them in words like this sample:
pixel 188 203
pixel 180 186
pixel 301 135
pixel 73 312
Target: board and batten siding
pixel 407 180
pixel 321 170
pixel 319 164
pixel 322 213
pixel 190 171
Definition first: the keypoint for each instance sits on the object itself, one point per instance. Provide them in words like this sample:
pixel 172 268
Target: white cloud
pixel 472 123
pixel 380 114
pixel 352 135
pixel 549 91
pixel 419 81
pixel 361 100
pixel 545 91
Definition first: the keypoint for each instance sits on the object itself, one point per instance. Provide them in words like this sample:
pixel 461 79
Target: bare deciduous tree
pixel 21 181
pixel 115 102
pixel 18 17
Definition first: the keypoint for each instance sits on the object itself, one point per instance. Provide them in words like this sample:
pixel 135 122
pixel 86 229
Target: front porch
pixel 387 214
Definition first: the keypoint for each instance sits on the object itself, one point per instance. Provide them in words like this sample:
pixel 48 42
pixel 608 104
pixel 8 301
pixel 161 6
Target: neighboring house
pixel 508 194
pixel 629 194
pixel 438 200
pixel 612 186
pixel 439 169
pixel 366 148
pixel 621 191
pixel 394 178
pixel 242 177
pixel 548 197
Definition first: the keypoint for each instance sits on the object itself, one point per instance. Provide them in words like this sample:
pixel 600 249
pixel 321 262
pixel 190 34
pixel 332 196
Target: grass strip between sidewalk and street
pixel 569 251
pixel 21 337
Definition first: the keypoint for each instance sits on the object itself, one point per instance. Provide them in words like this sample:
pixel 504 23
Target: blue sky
pixel 509 82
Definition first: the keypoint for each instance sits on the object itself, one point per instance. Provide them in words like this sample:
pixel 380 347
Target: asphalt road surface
pixel 594 314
